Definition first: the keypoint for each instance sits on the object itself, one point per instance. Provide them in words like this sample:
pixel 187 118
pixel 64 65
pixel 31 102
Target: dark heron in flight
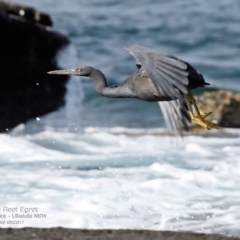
pixel 160 78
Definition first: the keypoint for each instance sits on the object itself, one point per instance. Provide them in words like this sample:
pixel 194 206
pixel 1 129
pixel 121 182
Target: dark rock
pixel 28 13
pixel 28 51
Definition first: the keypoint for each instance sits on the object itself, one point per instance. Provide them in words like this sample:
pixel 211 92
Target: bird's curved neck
pixel 99 79
pixel 102 88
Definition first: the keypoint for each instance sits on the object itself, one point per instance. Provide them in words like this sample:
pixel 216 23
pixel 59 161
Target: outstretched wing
pixel 170 78
pixel 176 116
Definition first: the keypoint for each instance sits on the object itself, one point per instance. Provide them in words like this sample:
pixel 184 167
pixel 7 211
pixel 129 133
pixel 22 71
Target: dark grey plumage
pixel 160 78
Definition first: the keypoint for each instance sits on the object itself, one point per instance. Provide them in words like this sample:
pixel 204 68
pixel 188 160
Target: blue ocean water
pixel 102 163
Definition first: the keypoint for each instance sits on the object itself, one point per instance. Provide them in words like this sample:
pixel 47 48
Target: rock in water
pixel 28 50
pixel 224 105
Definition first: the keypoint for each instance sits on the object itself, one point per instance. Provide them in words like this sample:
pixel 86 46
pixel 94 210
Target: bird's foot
pixel 200 120
pixel 205 115
pixel 198 117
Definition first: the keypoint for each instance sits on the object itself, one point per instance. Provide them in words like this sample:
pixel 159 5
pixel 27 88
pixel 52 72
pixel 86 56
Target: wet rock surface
pixel 75 234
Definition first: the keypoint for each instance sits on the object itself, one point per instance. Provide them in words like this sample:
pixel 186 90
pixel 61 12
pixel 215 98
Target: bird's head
pixel 81 71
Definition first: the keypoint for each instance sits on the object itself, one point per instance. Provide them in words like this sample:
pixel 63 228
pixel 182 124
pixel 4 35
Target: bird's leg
pixel 198 118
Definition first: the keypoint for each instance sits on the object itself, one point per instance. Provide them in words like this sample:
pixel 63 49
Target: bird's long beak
pixel 66 72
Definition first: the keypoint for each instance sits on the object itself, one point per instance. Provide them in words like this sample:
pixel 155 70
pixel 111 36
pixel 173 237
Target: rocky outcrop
pixel 224 105
pixel 28 50
pixel 28 13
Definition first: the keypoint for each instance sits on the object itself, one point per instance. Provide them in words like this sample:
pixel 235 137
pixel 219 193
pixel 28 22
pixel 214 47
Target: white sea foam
pixel 113 179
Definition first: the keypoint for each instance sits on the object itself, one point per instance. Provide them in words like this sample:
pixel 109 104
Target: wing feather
pixel 173 116
pixel 170 77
